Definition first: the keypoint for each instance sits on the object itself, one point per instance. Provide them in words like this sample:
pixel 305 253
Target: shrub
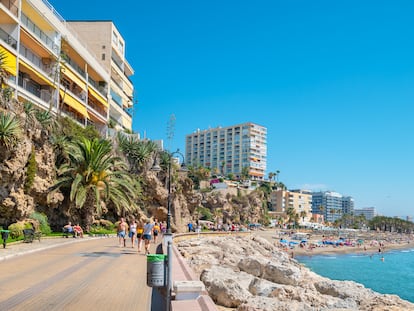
pixel 106 224
pixel 43 222
pixel 16 229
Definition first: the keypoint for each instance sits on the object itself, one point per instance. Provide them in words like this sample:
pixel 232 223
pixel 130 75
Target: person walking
pixel 132 232
pixel 140 232
pixel 156 231
pixel 147 234
pixel 122 229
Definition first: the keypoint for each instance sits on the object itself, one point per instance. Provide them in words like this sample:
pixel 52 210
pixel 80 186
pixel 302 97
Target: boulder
pixel 226 287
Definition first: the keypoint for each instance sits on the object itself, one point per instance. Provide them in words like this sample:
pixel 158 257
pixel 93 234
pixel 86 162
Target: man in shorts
pixel 122 229
pixel 147 234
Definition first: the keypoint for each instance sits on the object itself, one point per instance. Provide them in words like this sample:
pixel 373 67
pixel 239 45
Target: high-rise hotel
pixel 51 64
pixel 230 150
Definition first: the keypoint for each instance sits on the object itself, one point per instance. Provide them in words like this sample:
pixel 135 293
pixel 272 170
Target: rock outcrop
pixel 250 274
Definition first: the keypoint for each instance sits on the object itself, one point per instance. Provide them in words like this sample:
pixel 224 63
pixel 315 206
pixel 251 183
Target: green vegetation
pixel 10 130
pixel 391 224
pixel 31 171
pixel 204 213
pixel 43 222
pixel 94 177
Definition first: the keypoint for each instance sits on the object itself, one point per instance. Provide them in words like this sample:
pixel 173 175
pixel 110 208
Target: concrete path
pixel 73 274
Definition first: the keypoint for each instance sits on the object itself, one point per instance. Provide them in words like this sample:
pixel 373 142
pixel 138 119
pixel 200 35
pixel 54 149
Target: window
pixel 103 56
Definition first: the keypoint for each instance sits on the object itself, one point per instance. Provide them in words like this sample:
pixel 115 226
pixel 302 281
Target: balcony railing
pixel 69 61
pixel 11 5
pixel 115 96
pixel 97 108
pixel 35 89
pixel 101 88
pixel 35 59
pixel 39 33
pixel 8 39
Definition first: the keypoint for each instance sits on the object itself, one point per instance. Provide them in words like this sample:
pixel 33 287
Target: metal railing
pixel 39 33
pixel 8 39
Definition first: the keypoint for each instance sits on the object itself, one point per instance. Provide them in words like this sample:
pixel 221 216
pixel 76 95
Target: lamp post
pixel 168 234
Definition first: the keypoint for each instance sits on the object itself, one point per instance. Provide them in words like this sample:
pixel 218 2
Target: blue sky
pixel 333 81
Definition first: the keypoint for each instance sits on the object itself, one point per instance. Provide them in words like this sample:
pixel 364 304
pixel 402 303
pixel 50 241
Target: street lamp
pixel 168 234
pixel 157 168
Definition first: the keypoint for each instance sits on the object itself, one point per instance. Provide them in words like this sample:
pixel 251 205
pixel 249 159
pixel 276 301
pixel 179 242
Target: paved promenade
pixel 73 274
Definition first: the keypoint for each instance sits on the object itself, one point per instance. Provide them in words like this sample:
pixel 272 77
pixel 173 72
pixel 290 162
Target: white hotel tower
pixel 228 150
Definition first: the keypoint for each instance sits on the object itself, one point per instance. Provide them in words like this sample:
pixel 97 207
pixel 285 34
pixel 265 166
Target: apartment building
pixel 299 200
pixel 50 66
pixel 332 205
pixel 108 45
pixel 368 212
pixel 230 150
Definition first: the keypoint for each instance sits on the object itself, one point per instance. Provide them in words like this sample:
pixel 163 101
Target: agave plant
pixel 138 152
pixel 10 130
pixel 44 117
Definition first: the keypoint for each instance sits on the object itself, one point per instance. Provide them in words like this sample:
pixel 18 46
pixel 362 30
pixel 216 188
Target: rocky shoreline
pixel 249 273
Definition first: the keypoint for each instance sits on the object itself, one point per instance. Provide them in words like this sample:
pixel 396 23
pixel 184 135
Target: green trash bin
pixel 156 270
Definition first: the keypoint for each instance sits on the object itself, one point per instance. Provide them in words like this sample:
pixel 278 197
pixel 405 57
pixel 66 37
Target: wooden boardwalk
pixel 82 275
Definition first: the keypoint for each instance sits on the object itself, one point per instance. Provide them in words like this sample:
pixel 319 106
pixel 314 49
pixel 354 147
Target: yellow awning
pixel 72 76
pixel 10 64
pixel 71 101
pixel 36 72
pixel 100 98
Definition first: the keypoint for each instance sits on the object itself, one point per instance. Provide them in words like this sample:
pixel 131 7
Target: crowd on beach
pixel 318 242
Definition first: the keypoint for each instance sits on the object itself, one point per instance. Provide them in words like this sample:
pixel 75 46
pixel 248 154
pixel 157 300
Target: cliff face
pixel 230 206
pixel 16 202
pixel 250 274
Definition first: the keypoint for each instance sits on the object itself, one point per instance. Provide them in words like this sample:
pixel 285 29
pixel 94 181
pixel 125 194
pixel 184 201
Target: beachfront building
pixel 348 205
pixel 368 212
pixel 230 150
pixel 50 66
pixel 298 200
pixel 106 42
pixel 332 205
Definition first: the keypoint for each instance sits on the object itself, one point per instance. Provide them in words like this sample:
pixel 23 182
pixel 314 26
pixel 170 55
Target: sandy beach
pixel 372 243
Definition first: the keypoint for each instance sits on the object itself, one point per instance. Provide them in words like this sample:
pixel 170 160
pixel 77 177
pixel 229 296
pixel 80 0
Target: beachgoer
pixel 147 234
pixel 122 228
pixel 132 232
pixel 78 230
pixel 69 229
pixel 140 231
pixel 156 231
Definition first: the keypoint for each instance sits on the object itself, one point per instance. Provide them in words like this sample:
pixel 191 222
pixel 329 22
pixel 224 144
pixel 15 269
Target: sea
pixel 387 273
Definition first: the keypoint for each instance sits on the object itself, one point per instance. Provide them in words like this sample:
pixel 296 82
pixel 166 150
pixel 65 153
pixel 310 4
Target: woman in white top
pixel 132 232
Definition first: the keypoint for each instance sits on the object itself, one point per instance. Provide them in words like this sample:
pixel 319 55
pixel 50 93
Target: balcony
pixel 35 60
pixel 116 98
pixel 100 86
pixel 11 5
pixel 8 39
pixel 42 92
pixel 73 65
pixel 39 33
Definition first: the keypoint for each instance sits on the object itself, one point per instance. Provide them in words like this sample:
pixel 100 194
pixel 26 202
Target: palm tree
pixel 95 177
pixel 245 173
